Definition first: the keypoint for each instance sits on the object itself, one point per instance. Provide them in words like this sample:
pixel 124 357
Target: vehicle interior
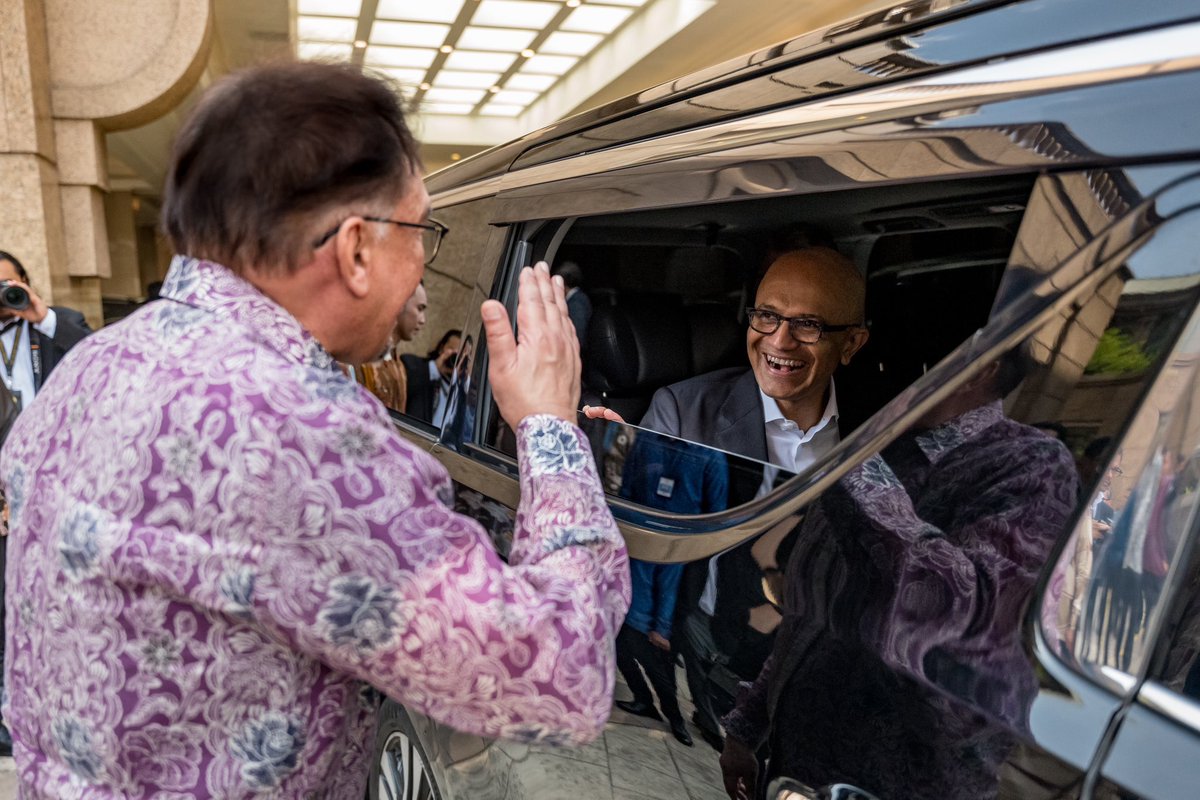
pixel 669 288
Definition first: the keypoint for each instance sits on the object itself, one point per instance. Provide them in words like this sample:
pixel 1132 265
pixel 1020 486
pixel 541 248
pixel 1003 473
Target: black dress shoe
pixel 640 709
pixel 679 728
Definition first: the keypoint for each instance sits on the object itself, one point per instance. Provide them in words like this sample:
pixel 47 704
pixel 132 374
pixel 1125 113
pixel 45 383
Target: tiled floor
pixel 636 759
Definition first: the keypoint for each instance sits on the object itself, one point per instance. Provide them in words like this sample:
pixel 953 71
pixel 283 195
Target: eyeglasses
pixel 804 330
pixel 432 233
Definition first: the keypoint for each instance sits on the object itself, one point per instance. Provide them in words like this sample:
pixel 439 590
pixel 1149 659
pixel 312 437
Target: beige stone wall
pixel 70 71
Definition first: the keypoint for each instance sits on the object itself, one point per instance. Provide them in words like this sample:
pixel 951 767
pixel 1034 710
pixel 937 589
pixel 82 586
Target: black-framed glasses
pixel 432 233
pixel 805 330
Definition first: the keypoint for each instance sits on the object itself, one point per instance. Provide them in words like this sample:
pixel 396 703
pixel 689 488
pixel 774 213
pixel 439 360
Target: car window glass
pixel 1140 474
pixel 418 375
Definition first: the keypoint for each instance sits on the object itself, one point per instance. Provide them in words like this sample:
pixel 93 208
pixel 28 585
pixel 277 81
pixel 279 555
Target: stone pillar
pixel 125 281
pixel 69 72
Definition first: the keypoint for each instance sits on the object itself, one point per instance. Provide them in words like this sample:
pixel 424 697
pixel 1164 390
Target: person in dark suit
pixel 430 378
pixel 579 305
pixel 807 321
pixel 32 342
pixel 35 338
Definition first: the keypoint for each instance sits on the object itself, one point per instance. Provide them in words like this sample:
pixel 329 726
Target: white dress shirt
pixel 21 378
pixel 789 447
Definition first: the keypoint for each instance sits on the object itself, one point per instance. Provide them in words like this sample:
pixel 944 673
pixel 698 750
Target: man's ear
pixel 355 251
pixel 854 342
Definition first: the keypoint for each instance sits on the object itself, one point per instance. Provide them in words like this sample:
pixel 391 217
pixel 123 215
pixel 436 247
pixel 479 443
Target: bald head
pixel 824 271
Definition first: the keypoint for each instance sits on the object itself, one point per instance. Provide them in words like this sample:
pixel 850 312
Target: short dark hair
pixel 272 151
pixel 17 265
pixel 437 348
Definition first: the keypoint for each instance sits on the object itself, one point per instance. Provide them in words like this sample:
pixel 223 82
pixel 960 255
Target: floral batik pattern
pixel 223 553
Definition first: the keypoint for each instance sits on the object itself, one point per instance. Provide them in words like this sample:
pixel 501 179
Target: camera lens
pixel 12 296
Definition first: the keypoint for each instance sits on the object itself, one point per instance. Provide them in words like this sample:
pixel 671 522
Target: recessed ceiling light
pixel 526 53
pixel 360 44
pixel 572 3
pixel 446 48
pixel 493 89
pixel 424 86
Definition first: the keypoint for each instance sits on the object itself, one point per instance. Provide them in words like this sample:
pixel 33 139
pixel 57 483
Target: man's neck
pixel 806 412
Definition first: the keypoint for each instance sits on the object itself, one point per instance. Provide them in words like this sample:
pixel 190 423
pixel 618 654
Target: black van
pixel 979 612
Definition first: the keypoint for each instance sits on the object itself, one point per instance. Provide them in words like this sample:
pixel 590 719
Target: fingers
pixel 502 345
pixel 531 312
pixel 600 412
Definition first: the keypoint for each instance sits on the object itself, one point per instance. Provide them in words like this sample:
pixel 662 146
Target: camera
pixel 13 296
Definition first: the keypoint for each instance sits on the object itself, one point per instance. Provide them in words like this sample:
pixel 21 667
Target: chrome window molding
pixel 1138 55
pixel 1171 704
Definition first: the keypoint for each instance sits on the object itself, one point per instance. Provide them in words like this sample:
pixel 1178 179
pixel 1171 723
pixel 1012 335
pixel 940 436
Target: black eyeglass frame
pixel 433 226
pixel 808 323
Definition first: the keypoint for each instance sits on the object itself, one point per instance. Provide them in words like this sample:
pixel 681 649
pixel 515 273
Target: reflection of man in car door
pixel 915 565
pixel 806 321
pixel 386 378
pixel 429 378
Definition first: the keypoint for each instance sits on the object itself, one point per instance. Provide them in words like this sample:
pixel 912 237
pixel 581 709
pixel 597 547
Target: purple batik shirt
pixel 221 547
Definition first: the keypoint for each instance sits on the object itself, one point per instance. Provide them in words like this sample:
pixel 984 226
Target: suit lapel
pixel 740 420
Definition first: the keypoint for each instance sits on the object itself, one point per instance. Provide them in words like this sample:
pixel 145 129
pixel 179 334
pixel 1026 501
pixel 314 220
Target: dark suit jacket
pixel 422 392
pixel 69 329
pixel 579 309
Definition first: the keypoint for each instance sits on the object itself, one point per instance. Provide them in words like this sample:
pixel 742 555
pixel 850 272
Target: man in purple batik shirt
pixel 219 542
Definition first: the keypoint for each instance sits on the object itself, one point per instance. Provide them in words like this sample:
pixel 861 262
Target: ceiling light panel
pixel 512 97
pixel 475 38
pixel 326 29
pixel 325 51
pixel 466 80
pixel 631 3
pixel 532 83
pixel 410 78
pixel 596 19
pixel 408 34
pixel 419 10
pixel 570 44
pixel 472 96
pixel 398 57
pixel 461 109
pixel 498 110
pixel 549 65
pixel 331 8
pixel 515 14
pixel 479 62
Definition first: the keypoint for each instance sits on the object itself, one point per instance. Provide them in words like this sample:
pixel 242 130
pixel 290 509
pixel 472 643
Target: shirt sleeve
pixel 404 593
pixel 49 324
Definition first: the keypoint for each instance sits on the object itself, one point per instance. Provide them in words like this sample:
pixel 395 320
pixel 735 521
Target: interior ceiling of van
pixel 483 72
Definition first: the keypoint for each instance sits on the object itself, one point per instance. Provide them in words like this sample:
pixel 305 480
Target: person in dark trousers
pixel 684 478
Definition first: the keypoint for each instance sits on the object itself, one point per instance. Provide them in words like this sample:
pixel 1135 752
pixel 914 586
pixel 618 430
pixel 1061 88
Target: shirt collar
pixel 771 412
pixel 209 286
pixel 937 442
